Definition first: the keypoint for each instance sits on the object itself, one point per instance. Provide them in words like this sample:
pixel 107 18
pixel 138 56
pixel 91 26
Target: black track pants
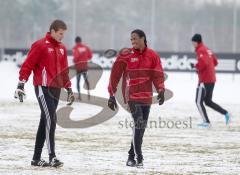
pixel 204 95
pixel 48 101
pixel 79 74
pixel 140 113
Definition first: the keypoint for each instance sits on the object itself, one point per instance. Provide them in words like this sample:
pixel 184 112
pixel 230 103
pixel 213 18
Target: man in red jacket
pixel 47 59
pixel 206 62
pixel 139 69
pixel 81 55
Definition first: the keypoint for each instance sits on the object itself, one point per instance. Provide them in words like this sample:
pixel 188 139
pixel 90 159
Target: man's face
pixel 58 35
pixel 195 44
pixel 136 41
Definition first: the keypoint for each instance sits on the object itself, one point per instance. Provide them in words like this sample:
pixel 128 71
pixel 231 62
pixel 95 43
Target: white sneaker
pixel 204 125
pixel 228 118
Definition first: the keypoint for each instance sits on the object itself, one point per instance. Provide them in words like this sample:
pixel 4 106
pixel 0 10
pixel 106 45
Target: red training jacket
pixel 138 71
pixel 47 59
pixel 206 62
pixel 81 55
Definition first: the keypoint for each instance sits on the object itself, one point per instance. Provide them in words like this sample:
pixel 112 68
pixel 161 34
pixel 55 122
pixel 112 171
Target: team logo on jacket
pixel 135 59
pixel 62 51
pixel 50 50
pixel 81 50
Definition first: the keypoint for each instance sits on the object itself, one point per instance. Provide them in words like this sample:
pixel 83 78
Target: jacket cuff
pixel 22 81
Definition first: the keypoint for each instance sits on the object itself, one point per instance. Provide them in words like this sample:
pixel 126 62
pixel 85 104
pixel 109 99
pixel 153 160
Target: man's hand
pixel 160 97
pixel 70 97
pixel 112 104
pixel 20 93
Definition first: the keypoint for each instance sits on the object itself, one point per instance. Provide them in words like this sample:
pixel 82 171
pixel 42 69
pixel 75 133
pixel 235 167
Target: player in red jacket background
pixel 81 56
pixel 47 59
pixel 139 70
pixel 206 63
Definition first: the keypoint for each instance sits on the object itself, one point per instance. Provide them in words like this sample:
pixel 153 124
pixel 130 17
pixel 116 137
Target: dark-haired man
pixel 139 70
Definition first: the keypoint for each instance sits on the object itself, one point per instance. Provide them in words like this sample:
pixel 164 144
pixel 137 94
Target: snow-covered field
pixel 102 149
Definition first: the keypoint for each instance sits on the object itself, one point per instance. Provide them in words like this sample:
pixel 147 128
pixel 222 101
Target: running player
pixel 206 63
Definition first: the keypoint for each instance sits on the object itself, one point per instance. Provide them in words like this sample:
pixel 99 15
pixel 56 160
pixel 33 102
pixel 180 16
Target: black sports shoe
pixel 55 162
pixel 41 163
pixel 131 162
pixel 139 163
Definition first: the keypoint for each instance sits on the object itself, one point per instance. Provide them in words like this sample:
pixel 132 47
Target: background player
pixel 206 63
pixel 81 55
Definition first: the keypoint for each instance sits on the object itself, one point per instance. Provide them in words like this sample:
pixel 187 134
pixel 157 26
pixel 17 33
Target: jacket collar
pixel 199 46
pixel 79 44
pixel 138 51
pixel 50 39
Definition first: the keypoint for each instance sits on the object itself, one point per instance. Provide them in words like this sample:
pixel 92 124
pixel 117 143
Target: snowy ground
pixel 102 149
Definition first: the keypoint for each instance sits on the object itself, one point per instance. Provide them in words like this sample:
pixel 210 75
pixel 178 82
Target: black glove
pixel 160 97
pixel 192 65
pixel 20 93
pixel 112 104
pixel 70 97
